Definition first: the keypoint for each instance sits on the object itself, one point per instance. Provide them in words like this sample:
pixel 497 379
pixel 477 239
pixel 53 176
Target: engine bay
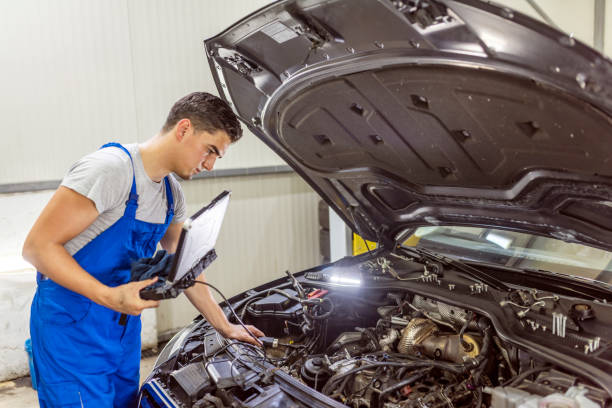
pixel 390 346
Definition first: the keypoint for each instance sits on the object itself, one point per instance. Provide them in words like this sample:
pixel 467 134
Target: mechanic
pixel 113 207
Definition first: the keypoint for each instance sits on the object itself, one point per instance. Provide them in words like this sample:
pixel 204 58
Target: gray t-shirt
pixel 105 177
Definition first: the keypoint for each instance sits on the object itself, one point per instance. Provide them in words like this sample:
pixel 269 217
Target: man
pixel 112 208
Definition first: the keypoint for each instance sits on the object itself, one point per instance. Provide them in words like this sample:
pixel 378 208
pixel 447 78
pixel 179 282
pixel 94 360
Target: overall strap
pixel 170 199
pixel 132 202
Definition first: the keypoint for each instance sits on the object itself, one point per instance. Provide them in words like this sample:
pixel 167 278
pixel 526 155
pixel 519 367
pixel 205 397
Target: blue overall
pixel 82 355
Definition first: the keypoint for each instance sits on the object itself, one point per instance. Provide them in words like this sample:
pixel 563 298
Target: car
pixel 472 144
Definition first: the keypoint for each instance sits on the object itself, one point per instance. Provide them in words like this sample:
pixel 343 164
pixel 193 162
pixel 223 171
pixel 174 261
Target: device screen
pixel 201 236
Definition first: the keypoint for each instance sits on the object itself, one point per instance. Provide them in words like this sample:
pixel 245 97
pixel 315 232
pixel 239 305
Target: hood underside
pixel 406 113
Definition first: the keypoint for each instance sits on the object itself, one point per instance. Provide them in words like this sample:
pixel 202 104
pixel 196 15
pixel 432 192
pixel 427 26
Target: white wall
pixel 608 29
pixel 18 283
pixel 76 74
pixel 17 279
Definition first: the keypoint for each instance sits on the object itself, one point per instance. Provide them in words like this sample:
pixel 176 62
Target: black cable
pixel 235 315
pixel 296 284
pixel 478 403
pixel 514 381
pixel 325 315
pixel 408 381
pixel 285 294
pixel 247 304
pixel 242 344
pixel 456 368
pixel 363 390
pixel 370 336
pixel 232 372
pixel 221 350
pixel 239 359
pixel 340 389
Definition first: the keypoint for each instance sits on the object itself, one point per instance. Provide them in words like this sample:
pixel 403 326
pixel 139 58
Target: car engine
pixel 382 348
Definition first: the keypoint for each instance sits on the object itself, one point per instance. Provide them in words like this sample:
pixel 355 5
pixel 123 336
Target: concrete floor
pixel 19 393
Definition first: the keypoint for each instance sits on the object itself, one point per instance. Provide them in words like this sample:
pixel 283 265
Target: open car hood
pixel 409 113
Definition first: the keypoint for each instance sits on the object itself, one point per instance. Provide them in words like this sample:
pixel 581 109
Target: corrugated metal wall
pixel 76 74
pixel 608 29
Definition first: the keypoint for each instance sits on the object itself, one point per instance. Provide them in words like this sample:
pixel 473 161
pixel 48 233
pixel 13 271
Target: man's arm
pixel 66 215
pixel 200 296
pixel 170 239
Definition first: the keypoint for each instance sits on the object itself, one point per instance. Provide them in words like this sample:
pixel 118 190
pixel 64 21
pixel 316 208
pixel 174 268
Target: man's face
pixel 200 151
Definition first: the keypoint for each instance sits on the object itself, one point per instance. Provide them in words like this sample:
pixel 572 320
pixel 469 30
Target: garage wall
pixel 608 28
pixel 76 74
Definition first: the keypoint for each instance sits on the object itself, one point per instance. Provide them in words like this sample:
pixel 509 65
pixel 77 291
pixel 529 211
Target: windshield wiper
pixel 460 266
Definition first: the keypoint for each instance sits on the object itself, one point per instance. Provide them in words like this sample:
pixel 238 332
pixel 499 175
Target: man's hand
pixel 202 299
pixel 126 298
pixel 237 332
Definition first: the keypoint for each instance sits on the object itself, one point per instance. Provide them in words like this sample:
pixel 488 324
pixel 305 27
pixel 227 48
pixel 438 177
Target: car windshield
pixel 517 250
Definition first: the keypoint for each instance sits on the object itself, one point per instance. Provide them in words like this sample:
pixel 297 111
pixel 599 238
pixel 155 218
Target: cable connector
pixel 269 341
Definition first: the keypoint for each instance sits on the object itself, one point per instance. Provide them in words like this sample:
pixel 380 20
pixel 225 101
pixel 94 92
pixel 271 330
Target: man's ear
pixel 181 128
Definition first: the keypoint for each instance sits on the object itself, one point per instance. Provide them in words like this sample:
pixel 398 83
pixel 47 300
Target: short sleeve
pixel 180 207
pixel 105 177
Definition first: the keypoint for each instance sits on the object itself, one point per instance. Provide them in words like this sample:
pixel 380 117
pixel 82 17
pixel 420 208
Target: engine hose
pixel 247 304
pixel 403 383
pixel 455 368
pixel 296 298
pixel 468 318
pixel 485 328
pixel 340 389
pixel 516 380
pixel 285 294
pixel 324 315
pixel 370 335
pixel 482 359
pixel 478 398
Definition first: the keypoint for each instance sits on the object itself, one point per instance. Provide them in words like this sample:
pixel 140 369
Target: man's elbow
pixel 26 251
pixel 30 249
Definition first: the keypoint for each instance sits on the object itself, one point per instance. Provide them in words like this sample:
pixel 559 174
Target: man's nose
pixel 209 162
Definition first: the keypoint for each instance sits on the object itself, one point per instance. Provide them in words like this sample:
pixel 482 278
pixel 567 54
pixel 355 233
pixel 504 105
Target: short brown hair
pixel 206 112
